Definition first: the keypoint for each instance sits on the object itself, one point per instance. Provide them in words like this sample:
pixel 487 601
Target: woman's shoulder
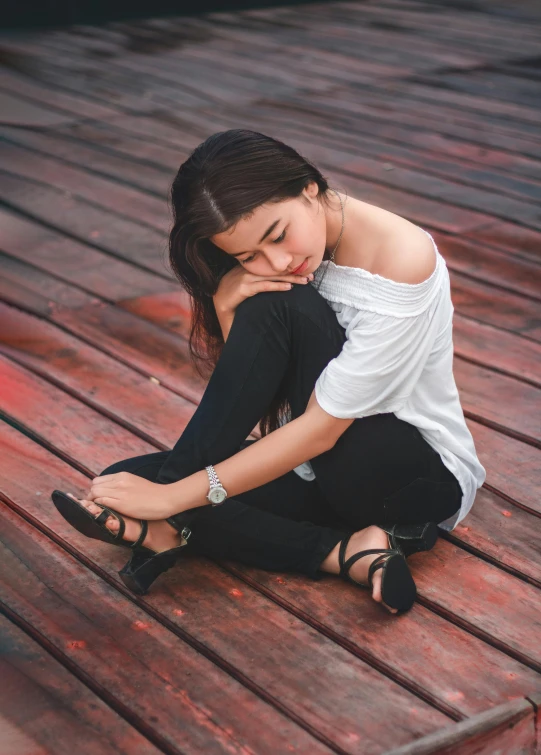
pixel 392 247
pixel 407 256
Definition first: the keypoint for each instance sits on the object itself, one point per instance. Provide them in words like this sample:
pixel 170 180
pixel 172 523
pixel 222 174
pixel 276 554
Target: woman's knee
pixel 303 298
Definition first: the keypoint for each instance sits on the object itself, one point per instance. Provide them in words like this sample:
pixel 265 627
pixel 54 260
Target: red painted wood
pixel 488 346
pixel 129 169
pixel 181 696
pixel 224 618
pixel 512 467
pixel 507 730
pixel 126 201
pixel 511 237
pixel 44 708
pixel 499 399
pixel 535 700
pixel 507 534
pixel 490 266
pixel 88 268
pixel 170 311
pixel 429 667
pixel 124 336
pixel 508 311
pixel 483 598
pixel 97 378
pixel 83 435
pixel 86 222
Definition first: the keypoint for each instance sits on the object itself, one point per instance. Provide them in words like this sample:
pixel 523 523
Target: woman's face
pixel 294 232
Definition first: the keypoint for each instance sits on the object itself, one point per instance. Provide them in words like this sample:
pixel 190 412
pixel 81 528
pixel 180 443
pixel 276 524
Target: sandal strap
pixel 104 516
pixel 377 563
pixel 372 551
pixel 383 555
pixel 142 534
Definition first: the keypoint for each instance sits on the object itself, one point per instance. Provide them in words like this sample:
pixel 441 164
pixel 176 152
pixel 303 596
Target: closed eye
pixel 279 240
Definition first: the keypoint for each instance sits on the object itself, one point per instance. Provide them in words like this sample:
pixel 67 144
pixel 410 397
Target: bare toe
pixel 112 524
pixel 376 592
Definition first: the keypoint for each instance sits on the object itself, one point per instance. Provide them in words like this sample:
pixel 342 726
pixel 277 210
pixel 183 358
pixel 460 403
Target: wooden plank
pixel 535 700
pixel 504 533
pixel 431 671
pixel 60 105
pixel 498 400
pixel 130 170
pixel 65 423
pixel 147 347
pixel 509 311
pixel 122 199
pixel 181 697
pixel 86 222
pixel 90 269
pixel 510 236
pixel 479 596
pixel 59 592
pixel 491 347
pixel 44 708
pixel 19 112
pixel 99 380
pixel 495 606
pixel 508 729
pixel 513 468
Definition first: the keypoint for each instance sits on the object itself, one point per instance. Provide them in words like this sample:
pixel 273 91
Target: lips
pixel 300 268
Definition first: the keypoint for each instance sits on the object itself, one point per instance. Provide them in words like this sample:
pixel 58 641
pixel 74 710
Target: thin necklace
pixel 342 229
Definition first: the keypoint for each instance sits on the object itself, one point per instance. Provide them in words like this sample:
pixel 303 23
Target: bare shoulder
pixel 406 255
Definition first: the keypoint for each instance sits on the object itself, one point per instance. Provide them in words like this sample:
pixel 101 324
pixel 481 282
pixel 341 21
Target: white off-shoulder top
pixel 398 357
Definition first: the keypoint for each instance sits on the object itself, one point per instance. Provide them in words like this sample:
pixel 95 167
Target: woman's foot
pixel 370 537
pixel 161 536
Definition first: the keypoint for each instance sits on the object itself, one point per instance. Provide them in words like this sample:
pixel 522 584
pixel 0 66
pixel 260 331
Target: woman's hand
pixel 133 496
pixel 238 284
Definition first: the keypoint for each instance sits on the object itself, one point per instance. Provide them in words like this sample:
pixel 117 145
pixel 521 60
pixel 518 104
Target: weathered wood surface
pixel 427 109
pixel 46 708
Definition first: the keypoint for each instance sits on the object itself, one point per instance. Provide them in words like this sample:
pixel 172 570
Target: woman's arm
pixel 311 434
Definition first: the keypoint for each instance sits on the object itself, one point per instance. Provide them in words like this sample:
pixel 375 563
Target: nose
pixel 282 263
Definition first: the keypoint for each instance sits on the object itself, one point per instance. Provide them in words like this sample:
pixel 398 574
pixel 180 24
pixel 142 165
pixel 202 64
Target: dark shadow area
pixel 30 14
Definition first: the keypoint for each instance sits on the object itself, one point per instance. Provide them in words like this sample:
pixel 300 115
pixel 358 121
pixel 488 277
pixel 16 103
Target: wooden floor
pixel 430 109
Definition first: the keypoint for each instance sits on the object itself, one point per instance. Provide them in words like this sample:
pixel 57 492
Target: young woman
pixel 328 321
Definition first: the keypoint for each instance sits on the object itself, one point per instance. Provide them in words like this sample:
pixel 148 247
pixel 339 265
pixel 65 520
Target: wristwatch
pixel 217 493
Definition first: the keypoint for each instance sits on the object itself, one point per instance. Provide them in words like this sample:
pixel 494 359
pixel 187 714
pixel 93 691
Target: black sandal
pixel 397 586
pixel 145 564
pixel 94 526
pixel 412 538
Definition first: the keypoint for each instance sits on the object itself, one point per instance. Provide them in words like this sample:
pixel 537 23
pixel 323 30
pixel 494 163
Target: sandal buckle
pixel 186 533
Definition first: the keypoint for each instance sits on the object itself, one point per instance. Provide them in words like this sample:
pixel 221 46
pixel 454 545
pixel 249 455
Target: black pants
pixel 381 470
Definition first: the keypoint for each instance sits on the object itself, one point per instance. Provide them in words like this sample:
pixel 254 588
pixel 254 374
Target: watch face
pixel 217 495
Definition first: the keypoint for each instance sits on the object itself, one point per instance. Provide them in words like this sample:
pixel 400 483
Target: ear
pixel 311 190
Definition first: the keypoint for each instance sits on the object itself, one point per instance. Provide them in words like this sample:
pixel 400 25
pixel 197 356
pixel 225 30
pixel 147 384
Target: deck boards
pixel 426 107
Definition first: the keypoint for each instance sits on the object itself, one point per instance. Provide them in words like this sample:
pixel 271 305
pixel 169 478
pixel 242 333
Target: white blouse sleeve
pixel 379 365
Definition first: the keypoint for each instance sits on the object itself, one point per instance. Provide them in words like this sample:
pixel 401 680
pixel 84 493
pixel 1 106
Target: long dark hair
pixel 225 179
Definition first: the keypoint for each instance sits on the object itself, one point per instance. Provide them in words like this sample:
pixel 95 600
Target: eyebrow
pixel 270 229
